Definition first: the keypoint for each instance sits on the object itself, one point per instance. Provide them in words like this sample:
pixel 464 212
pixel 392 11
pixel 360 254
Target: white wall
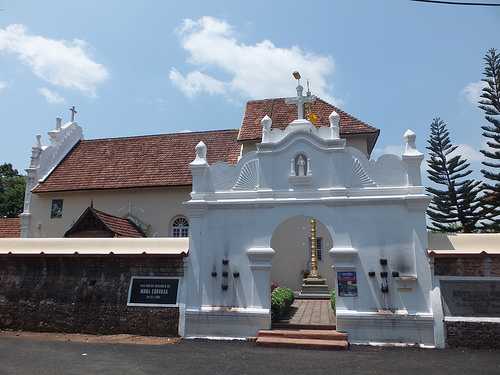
pixel 155 207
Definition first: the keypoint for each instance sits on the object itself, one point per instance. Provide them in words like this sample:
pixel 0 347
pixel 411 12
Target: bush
pixel 281 300
pixel 332 300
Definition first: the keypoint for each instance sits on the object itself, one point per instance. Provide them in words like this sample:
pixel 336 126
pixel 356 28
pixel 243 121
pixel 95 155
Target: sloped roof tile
pixel 10 228
pixel 143 161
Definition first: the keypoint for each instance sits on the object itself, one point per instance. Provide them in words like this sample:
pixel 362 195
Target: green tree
pixel 457 206
pixel 490 104
pixel 12 186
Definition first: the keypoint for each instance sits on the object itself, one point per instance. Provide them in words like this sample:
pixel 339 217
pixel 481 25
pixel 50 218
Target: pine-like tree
pixel 456 207
pixel 490 104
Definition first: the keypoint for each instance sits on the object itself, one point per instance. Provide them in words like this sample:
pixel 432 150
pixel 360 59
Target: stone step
pixel 314 281
pixel 320 334
pixel 315 288
pixel 285 342
pixel 301 295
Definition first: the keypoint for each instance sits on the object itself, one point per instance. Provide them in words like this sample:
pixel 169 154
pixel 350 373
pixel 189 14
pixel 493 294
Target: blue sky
pixel 148 67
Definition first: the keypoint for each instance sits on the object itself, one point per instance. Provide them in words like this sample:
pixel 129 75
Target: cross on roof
pixel 300 100
pixel 73 113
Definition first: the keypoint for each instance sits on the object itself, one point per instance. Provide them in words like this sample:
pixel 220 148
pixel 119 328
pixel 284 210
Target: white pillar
pixel 413 159
pixel 199 169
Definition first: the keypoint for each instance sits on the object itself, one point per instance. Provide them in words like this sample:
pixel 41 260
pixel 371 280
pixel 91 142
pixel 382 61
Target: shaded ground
pixel 28 355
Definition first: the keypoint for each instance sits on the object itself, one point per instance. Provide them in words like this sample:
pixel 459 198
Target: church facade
pixel 243 197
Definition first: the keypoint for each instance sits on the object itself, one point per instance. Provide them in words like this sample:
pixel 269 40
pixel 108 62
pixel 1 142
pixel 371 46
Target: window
pixel 319 247
pixel 180 227
pixel 56 209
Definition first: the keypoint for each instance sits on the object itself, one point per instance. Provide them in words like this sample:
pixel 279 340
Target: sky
pixel 150 67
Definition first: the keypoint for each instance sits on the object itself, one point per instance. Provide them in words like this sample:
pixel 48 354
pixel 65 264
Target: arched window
pixel 180 227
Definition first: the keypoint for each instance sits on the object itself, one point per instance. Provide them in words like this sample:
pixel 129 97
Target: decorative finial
pixel 334 119
pixel 266 123
pixel 91 203
pixel 410 139
pixel 201 154
pixel 58 123
pixel 73 113
pixel 308 93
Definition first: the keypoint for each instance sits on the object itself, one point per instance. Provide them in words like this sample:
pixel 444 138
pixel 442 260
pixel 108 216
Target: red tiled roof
pixel 118 225
pixel 10 228
pixel 282 114
pixel 121 227
pixel 143 161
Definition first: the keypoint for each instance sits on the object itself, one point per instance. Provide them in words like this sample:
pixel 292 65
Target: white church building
pixel 243 197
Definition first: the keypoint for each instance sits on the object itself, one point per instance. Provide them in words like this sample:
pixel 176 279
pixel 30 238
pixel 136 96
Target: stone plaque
pixel 471 298
pixel 153 291
pixel 347 284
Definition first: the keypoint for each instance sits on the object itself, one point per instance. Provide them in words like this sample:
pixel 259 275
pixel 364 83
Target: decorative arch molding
pixel 224 176
pixel 360 174
pixel 249 176
pixel 302 135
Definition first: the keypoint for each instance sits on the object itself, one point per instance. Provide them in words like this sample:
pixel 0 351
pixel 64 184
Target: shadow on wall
pixel 291 242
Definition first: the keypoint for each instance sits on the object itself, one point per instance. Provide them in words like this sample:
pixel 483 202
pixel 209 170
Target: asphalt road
pixel 27 356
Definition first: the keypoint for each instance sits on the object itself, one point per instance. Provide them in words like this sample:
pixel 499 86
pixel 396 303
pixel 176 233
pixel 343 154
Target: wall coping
pixel 94 246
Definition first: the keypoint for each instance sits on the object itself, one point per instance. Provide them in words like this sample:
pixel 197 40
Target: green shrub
pixel 332 300
pixel 281 300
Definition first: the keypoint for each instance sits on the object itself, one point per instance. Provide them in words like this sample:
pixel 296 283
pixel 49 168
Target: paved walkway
pixel 312 312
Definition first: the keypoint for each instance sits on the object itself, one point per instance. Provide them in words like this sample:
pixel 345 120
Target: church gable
pixel 95 223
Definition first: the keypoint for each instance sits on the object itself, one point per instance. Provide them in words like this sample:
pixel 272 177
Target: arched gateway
pixel 374 210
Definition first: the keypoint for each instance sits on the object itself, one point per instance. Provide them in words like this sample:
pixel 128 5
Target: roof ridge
pixel 159 135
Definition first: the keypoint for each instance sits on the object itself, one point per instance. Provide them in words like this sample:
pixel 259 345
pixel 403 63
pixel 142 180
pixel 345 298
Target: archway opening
pixel 291 241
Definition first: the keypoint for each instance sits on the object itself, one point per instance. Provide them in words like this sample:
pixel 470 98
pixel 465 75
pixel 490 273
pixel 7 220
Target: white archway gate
pixel 375 211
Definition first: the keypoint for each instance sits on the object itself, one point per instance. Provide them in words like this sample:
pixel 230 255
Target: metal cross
pixel 73 113
pixel 300 100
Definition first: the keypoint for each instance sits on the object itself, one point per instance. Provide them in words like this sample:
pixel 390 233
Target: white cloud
pixel 468 152
pixel 3 86
pixel 52 97
pixel 196 82
pixel 258 70
pixel 60 62
pixel 472 91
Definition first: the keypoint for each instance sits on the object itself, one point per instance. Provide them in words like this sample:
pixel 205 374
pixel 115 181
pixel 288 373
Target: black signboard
pixel 153 291
pixel 347 284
